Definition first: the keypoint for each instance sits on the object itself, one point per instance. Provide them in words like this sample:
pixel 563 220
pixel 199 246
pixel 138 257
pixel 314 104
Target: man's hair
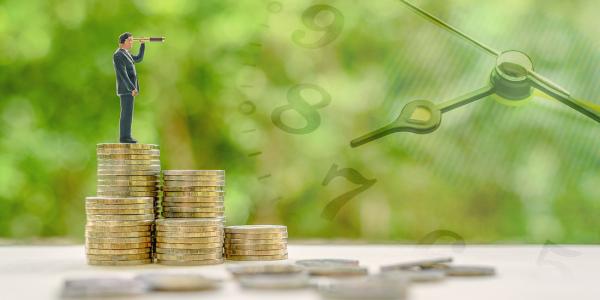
pixel 123 37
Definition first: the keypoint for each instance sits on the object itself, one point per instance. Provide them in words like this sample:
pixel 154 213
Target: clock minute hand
pixel 422 116
pixel 555 91
pixel 435 20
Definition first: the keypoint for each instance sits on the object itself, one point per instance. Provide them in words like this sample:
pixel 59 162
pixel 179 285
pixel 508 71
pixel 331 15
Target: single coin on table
pixel 177 282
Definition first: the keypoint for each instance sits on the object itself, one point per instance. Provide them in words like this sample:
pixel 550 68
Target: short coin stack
pixel 119 230
pixel 128 170
pixel 256 242
pixel 193 194
pixel 191 241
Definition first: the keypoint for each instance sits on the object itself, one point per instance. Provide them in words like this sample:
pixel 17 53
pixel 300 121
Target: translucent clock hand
pixel 435 20
pixel 553 90
pixel 422 116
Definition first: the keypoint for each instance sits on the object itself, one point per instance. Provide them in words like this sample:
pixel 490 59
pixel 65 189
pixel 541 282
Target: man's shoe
pixel 128 141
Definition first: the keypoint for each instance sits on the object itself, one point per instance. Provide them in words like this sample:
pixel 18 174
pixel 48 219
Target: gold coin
pixel 118 251
pixel 118 200
pixel 128 178
pixel 189 240
pixel 127 162
pixel 126 173
pixel 128 151
pixel 189 229
pixel 126 146
pixel 128 156
pixel 256 252
pixel 189 234
pixel 255 258
pixel 127 183
pixel 118 211
pixel 179 183
pixel 146 217
pixel 189 256
pixel 194 188
pixel 119 262
pixel 129 240
pixel 117 245
pixel 119 206
pixel 218 250
pixel 255 229
pixel 190 262
pixel 103 234
pixel 193 209
pixel 127 194
pixel 105 168
pixel 127 188
pixel 189 222
pixel 116 257
pixel 195 178
pixel 210 199
pixel 191 215
pixel 193 194
pixel 193 172
pixel 118 229
pixel 119 224
pixel 187 246
pixel 255 242
pixel 219 205
pixel 255 246
pixel 257 236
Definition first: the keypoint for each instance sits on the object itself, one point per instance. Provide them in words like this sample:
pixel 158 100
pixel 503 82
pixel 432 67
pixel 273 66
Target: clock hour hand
pixel 553 90
pixel 422 116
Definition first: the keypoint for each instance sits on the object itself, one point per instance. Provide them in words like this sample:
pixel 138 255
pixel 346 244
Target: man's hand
pixel 134 92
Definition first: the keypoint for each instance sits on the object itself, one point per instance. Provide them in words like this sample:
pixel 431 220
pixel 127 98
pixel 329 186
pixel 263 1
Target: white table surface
pixel 524 272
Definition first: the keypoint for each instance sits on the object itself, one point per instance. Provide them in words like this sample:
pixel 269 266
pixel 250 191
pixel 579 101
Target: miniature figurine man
pixel 127 83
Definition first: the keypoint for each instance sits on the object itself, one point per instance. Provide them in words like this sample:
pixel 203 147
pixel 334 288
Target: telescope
pixel 150 39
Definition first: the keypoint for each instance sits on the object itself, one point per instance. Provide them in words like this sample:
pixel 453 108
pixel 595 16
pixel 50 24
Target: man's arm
pixel 122 73
pixel 138 58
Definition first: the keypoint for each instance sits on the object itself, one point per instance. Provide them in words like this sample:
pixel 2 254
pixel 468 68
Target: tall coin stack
pixel 193 207
pixel 120 219
pixel 256 242
pixel 189 241
pixel 118 230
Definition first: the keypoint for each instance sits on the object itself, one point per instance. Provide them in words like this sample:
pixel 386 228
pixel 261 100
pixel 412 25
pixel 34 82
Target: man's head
pixel 126 40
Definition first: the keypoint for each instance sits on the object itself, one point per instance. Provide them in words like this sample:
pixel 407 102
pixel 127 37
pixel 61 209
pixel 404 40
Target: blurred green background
pixel 491 173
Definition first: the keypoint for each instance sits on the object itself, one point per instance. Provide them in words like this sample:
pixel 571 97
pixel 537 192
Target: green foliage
pixel 491 172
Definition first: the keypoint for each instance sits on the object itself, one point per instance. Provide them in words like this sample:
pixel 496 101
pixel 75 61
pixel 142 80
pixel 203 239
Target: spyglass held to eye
pixel 150 39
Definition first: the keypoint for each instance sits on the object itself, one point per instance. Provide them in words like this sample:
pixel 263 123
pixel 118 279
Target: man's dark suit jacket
pixel 126 76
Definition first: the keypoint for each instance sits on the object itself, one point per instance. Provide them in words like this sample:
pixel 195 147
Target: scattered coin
pixel 417 264
pixel 367 288
pixel 265 269
pixel 326 262
pixel 280 281
pixel 416 275
pixel 102 287
pixel 177 282
pixel 454 270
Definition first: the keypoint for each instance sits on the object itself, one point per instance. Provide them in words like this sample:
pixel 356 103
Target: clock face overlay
pixel 312 78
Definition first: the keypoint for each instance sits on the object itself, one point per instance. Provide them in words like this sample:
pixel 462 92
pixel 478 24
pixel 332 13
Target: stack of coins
pixel 193 194
pixel 119 230
pixel 128 170
pixel 193 241
pixel 256 242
